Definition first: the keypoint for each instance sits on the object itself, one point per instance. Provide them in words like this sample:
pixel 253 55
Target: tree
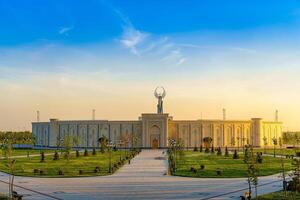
pixel 291 138
pixel 295 175
pixel 235 155
pixel 252 169
pixel 226 152
pixel 219 153
pixel 8 149
pixel 283 173
pixel 125 140
pixel 247 162
pixel 76 141
pixel 86 153
pixel 212 149
pixel 67 143
pixel 207 141
pixel 103 144
pixel 296 139
pixel 265 143
pixel 275 142
pixel 42 156
pixel 94 151
pixel 10 165
pixel 238 141
pixel 232 142
pixel 286 138
pixel 135 141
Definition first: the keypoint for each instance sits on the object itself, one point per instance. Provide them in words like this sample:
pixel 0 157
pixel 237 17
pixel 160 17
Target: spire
pixel 276 116
pixel 38 116
pixel 94 114
pixel 224 114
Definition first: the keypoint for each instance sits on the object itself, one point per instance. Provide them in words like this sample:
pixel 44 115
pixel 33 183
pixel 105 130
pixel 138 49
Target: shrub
pixel 97 169
pixel 116 165
pixel 193 170
pixel 36 171
pixel 94 151
pixel 298 154
pixel 42 156
pixel 42 172
pixel 201 148
pixel 259 158
pixel 235 155
pixel 67 155
pixel 219 152
pixel 294 185
pixel 219 172
pixel 202 167
pixel 195 149
pixel 56 156
pixel 206 150
pixel 77 154
pixel 61 172
pixel 80 172
pixel 212 150
pixel 226 152
pixel 86 153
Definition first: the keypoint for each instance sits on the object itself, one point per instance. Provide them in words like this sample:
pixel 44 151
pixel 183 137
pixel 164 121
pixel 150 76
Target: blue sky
pixel 59 55
pixel 79 22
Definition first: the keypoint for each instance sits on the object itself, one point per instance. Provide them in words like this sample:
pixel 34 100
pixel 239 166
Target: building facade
pixel 155 130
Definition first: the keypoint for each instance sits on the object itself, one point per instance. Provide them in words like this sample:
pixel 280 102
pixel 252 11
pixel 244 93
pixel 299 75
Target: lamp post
pixel 110 145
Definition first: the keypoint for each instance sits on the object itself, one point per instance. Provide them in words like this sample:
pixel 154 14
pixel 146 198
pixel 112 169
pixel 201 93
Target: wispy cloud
pixel 65 30
pixel 174 55
pixel 141 43
pixel 131 38
pixel 146 44
pixel 222 48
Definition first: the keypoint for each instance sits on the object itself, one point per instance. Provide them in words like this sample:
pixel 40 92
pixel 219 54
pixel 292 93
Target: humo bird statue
pixel 160 93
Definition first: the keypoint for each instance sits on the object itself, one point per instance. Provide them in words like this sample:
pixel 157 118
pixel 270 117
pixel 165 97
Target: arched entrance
pixel 154 144
pixel 154 137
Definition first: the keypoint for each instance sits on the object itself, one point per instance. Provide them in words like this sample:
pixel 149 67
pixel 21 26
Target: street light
pixel 110 145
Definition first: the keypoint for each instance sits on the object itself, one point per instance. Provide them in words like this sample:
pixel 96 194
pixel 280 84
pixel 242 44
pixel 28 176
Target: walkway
pixel 144 179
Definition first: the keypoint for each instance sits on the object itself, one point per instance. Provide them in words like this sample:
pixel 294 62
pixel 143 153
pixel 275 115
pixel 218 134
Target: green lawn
pixel 279 196
pixel 26 166
pixel 278 151
pixel 230 168
pixel 23 152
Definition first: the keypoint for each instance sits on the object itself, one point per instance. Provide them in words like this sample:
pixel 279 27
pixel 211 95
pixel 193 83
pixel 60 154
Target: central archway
pixel 154 144
pixel 154 137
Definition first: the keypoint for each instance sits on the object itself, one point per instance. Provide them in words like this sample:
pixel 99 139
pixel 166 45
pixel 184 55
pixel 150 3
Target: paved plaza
pixel 144 178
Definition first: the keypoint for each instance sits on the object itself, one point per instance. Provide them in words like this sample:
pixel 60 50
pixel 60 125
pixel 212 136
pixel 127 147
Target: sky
pixel 65 58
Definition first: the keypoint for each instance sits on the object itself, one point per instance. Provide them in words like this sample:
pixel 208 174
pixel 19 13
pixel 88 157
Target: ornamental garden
pixel 201 162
